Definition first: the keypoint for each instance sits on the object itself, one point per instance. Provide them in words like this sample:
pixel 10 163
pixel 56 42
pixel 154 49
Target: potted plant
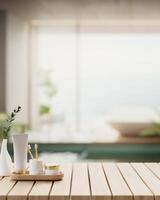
pixel 5 129
pixel 153 131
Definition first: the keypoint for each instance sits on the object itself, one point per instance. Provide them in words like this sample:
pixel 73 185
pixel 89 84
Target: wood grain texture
pixel 5 186
pixel 28 177
pixel 40 190
pixel 155 168
pixel 61 189
pixel 93 181
pixel 149 178
pixel 99 186
pixel 20 191
pixel 119 188
pixel 80 189
pixel 135 183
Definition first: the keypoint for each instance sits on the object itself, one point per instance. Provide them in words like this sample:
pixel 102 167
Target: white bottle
pixel 20 145
pixel 5 160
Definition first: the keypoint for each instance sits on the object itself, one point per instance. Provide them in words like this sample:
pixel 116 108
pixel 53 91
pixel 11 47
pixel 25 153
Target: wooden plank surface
pixel 5 186
pixel 61 189
pixel 119 188
pixel 93 181
pixel 80 189
pixel 40 190
pixel 154 167
pixel 149 178
pixel 135 183
pixel 99 186
pixel 20 191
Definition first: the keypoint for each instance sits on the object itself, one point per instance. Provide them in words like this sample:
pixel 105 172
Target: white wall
pixel 17 65
pixel 2 60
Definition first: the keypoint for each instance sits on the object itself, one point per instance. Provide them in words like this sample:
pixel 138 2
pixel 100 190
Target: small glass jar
pixel 51 169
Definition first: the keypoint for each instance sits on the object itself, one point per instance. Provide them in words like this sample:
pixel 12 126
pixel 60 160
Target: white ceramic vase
pixel 20 145
pixel 5 160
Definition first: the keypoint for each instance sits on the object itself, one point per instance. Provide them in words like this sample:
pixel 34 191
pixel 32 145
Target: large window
pixel 82 76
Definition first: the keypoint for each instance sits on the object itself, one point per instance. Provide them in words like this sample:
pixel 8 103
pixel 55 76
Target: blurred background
pixel 87 75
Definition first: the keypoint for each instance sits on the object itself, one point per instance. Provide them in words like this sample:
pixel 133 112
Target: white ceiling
pixel 85 9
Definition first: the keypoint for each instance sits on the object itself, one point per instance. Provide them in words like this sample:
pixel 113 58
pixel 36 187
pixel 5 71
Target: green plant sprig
pixel 7 124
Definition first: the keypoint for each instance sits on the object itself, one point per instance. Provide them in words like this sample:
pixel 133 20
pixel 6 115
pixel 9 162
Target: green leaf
pixel 6 125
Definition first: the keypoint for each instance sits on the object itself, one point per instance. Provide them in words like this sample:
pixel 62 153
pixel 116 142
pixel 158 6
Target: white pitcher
pixel 5 160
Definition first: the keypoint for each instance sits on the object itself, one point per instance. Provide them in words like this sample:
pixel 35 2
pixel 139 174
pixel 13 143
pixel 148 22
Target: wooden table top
pixel 97 181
